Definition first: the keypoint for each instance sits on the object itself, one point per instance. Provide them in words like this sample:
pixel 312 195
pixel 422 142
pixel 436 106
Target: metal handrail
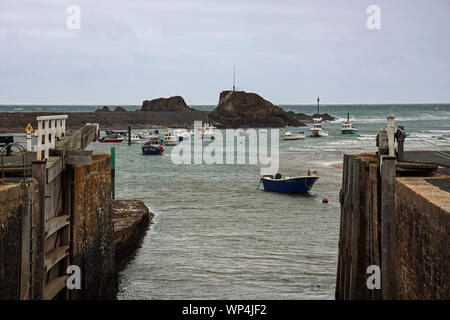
pixel 22 151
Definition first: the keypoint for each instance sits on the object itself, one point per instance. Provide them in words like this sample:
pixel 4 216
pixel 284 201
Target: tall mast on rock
pixel 234 77
pixel 318 105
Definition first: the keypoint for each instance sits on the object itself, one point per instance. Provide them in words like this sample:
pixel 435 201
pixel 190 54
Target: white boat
pixel 208 131
pixel 137 138
pixel 145 134
pixel 317 130
pixel 347 127
pixel 171 139
pixel 288 135
pixel 182 134
pixel 165 131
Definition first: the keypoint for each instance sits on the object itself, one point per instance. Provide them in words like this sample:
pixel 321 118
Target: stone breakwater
pixel 17 121
pixel 131 219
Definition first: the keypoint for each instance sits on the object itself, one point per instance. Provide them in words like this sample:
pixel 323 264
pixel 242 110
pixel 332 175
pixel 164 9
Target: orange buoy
pixel 325 200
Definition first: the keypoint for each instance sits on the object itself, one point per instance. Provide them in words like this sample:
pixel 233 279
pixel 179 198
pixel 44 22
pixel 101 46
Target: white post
pixel 29 148
pixel 390 130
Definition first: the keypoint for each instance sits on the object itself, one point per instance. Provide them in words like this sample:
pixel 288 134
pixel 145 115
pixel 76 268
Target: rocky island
pixel 305 118
pixel 236 109
pixel 176 103
pixel 239 108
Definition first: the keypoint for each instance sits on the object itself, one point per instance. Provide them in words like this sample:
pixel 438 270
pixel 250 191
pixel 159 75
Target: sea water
pixel 215 236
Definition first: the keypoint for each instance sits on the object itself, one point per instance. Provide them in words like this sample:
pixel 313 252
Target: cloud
pixel 288 50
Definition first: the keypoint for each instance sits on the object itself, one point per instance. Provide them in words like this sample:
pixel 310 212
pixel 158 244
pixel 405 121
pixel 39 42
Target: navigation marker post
pixel 29 129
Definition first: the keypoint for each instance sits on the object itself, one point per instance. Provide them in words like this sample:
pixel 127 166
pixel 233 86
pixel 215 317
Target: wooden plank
pixel 342 233
pixel 376 220
pixel 38 173
pixel 361 263
pixel 54 168
pixel 347 228
pixel 355 225
pixel 25 248
pixel 339 273
pixel 54 224
pixel 54 256
pixel 388 228
pixel 54 287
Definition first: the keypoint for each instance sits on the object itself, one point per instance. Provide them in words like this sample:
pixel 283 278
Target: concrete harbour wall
pixel 92 229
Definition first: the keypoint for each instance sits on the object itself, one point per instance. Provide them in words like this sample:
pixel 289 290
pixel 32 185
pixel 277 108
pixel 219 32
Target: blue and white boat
pixel 297 184
pixel 153 146
pixel 137 138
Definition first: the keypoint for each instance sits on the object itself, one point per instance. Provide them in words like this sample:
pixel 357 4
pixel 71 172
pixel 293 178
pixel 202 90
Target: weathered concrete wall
pixel 92 229
pixel 423 233
pixel 131 219
pixel 13 198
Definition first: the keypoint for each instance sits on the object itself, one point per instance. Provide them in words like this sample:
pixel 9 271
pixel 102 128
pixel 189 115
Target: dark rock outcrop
pixel 119 109
pixel 176 103
pixel 14 121
pixel 104 109
pixel 239 108
pixel 305 118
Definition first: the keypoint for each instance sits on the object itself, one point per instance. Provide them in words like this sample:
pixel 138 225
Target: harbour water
pixel 216 237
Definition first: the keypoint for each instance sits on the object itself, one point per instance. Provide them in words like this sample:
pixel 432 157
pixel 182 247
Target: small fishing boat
pixel 318 130
pixel 182 134
pixel 208 131
pixel 153 146
pixel 113 132
pixel 137 138
pixel 171 139
pixel 296 184
pixel 244 132
pixel 165 131
pixel 115 138
pixel 288 135
pixel 347 127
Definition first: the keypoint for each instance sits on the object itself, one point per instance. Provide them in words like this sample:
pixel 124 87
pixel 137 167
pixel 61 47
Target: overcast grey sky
pixel 288 51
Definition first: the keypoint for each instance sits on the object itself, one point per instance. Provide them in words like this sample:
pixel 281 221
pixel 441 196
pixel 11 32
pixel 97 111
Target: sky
pixel 288 51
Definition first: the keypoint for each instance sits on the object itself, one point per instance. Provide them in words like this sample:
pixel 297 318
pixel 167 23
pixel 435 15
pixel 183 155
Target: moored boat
pixel 208 131
pixel 171 139
pixel 153 146
pixel 347 127
pixel 295 184
pixel 288 135
pixel 137 138
pixel 182 134
pixel 115 138
pixel 244 132
pixel 318 130
pixel 113 132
